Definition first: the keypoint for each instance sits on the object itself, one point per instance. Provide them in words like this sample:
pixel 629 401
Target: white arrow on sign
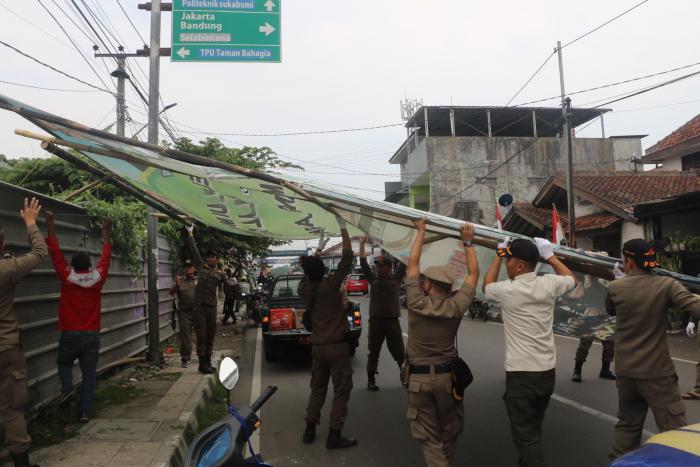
pixel 267 28
pixel 270 5
pixel 183 52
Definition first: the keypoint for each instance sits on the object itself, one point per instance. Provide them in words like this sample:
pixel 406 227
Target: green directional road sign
pixel 226 31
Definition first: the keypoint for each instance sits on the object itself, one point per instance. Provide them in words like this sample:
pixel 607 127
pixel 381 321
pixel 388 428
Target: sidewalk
pixel 153 428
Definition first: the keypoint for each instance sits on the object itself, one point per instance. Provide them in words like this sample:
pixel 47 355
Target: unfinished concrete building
pixel 457 161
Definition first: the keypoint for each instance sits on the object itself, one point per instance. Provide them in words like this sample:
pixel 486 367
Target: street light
pixel 167 107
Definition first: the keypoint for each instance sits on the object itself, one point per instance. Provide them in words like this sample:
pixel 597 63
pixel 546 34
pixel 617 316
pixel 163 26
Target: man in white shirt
pixel 527 306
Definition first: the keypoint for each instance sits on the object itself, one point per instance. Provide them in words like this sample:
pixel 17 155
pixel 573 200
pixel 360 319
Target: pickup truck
pixel 282 318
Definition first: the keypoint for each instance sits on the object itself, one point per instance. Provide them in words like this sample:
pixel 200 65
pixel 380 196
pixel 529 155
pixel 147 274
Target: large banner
pixel 246 202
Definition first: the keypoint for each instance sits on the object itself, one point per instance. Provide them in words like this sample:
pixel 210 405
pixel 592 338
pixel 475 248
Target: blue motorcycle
pixel 224 443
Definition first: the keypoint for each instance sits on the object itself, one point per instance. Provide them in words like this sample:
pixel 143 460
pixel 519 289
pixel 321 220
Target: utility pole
pixel 122 76
pixel 154 354
pixel 153 52
pixel 567 146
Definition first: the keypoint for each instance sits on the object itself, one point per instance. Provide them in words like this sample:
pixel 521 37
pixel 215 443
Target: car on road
pixel 679 447
pixel 357 283
pixel 282 313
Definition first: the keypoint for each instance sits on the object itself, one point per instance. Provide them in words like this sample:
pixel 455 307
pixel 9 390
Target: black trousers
pixel 229 304
pixel 526 398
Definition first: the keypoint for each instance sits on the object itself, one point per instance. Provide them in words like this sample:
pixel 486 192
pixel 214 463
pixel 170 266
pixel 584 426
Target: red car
pixel 355 283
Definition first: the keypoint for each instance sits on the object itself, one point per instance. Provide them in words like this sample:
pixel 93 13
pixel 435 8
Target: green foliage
pixel 262 158
pixel 52 176
pixel 128 227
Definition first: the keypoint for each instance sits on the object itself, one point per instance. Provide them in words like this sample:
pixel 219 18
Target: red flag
pixel 499 219
pixel 557 229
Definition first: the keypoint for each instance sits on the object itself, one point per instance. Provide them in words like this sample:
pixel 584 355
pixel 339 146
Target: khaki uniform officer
pixel 434 316
pixel 331 353
pixel 209 280
pixel 695 393
pixel 13 367
pixel 185 287
pixel 646 376
pixel 384 313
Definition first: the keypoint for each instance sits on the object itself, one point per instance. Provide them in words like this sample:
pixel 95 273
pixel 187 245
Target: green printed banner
pixel 254 203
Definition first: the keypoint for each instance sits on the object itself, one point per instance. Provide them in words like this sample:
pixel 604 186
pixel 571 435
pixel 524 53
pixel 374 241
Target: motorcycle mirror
pixel 228 373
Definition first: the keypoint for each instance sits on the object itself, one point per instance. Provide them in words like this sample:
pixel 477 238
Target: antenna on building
pixel 409 107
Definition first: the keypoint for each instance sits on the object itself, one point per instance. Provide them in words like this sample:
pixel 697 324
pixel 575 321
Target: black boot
pixel 21 459
pixel 203 366
pixel 309 433
pixel 605 372
pixel 337 441
pixel 211 367
pixel 576 377
pixel 372 383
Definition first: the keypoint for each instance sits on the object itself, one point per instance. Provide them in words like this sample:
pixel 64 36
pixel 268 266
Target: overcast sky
pixel 348 64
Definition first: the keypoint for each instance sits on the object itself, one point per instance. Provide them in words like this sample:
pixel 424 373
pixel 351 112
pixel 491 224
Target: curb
pixel 173 451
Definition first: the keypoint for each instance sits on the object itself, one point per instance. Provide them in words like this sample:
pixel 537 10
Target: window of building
pixel 691 161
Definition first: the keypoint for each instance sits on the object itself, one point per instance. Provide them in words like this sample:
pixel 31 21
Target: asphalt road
pixel 577 430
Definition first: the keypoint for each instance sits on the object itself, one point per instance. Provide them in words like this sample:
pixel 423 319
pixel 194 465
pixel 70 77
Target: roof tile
pixel 584 223
pixel 689 130
pixel 629 188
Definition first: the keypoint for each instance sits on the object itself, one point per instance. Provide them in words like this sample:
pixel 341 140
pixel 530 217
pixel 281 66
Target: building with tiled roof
pixel 613 207
pixel 678 151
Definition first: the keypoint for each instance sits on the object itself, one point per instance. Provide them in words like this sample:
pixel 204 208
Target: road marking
pixel 592 411
pixel 255 386
pixel 683 360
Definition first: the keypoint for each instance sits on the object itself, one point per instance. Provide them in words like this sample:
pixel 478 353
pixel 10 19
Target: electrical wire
pixel 106 33
pixel 300 133
pixel 568 44
pixel 617 83
pixel 46 89
pixel 605 24
pixel 65 44
pixel 130 22
pixel 650 88
pixel 532 76
pixel 53 68
pixel 77 49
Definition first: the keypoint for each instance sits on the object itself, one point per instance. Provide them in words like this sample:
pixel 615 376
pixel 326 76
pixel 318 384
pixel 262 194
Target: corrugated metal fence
pixel 124 321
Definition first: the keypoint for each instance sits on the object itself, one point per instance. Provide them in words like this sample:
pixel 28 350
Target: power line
pixel 53 68
pixel 568 44
pixel 130 22
pixel 299 133
pixel 651 88
pixel 605 23
pixel 617 83
pixel 72 42
pixel 532 76
pixel 44 88
pixel 35 26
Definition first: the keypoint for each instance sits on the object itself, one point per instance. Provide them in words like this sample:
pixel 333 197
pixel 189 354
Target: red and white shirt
pixel 81 291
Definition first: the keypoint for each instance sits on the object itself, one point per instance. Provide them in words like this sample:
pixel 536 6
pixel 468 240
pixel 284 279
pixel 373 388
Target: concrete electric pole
pixel 154 354
pixel 122 76
pixel 568 148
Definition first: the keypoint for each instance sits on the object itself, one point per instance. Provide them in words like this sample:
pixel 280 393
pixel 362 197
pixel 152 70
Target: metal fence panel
pixel 123 317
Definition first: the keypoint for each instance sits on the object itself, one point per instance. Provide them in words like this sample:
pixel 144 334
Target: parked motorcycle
pixel 224 443
pixel 254 304
pixel 479 309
